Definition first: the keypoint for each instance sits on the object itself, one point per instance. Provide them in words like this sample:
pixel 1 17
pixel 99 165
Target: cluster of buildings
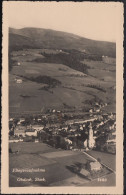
pixel 97 107
pixel 96 132
pixel 21 131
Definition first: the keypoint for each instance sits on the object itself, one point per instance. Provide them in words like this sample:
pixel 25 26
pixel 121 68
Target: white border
pixel 118 189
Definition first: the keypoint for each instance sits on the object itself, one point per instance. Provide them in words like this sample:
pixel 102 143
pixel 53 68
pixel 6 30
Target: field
pixel 57 164
pixel 74 89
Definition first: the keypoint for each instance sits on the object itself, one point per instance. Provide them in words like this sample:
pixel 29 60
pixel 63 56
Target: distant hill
pixel 46 38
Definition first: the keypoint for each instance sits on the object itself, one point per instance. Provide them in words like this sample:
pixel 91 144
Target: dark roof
pixel 30 130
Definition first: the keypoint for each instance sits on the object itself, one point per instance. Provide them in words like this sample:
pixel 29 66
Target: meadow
pixel 58 165
pixel 74 89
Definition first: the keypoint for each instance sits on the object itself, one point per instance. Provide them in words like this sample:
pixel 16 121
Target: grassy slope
pixel 73 91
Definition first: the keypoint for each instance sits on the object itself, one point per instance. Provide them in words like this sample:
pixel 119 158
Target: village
pixel 96 131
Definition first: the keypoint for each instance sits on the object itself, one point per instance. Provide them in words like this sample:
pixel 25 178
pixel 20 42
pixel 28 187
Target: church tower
pixel 91 140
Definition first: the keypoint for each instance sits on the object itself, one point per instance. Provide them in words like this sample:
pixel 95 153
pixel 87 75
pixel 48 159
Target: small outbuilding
pixel 18 80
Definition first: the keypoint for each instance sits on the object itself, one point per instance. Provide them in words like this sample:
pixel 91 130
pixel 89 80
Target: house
pixel 19 130
pixel 72 130
pixel 84 50
pixel 36 140
pixel 98 110
pixel 31 132
pixel 18 63
pixel 39 119
pixel 77 134
pixel 95 131
pixel 18 123
pixel 18 80
pixel 68 141
pixel 94 166
pixel 11 119
pixel 91 110
pixel 29 126
pixel 81 127
pixel 13 140
pixel 111 147
pixel 22 120
pixel 38 127
pixel 111 142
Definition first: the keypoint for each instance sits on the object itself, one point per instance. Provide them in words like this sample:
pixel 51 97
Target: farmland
pixel 72 61
pixel 41 156
pixel 74 89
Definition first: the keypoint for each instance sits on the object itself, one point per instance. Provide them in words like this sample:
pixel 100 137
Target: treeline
pixel 54 141
pixel 83 55
pixel 93 101
pixel 69 60
pixel 44 79
pixel 96 87
pixel 58 141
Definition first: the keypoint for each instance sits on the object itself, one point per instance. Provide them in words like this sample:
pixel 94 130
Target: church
pixel 90 141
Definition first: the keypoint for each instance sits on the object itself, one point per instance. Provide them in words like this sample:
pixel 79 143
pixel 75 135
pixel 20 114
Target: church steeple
pixel 91 140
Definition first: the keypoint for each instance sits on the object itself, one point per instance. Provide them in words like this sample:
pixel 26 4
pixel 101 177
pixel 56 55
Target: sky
pixel 94 20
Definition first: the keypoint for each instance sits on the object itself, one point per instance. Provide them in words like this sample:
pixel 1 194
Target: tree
pixel 63 144
pixel 80 144
pixel 10 150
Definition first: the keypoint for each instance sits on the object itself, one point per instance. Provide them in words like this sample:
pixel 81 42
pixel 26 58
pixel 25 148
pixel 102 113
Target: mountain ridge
pixel 47 38
pixel 11 30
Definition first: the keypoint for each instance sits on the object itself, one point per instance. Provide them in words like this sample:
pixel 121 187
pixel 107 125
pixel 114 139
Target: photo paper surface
pixel 62 98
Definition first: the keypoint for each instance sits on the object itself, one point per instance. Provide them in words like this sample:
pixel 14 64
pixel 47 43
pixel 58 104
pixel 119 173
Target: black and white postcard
pixel 62 98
